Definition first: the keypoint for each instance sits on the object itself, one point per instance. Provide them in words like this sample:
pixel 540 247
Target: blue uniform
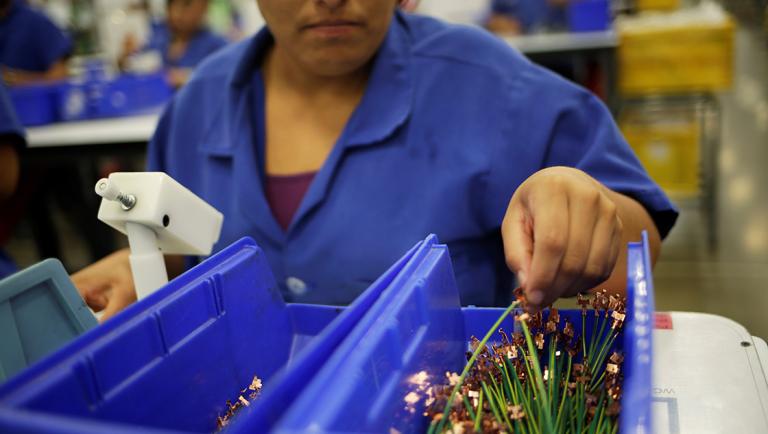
pixel 10 132
pixel 452 121
pixel 199 47
pixel 29 41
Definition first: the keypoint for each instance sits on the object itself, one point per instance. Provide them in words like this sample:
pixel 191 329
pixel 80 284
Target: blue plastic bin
pixel 172 360
pixel 589 15
pixel 129 94
pixel 362 387
pixel 40 310
pixel 36 104
pixel 73 103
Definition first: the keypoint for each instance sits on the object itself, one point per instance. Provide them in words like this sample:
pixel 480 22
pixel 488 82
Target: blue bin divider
pixel 40 310
pixel 170 361
pixel 289 386
pixel 636 416
pixel 423 328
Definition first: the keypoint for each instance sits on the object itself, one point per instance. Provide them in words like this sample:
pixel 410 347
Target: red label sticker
pixel 662 321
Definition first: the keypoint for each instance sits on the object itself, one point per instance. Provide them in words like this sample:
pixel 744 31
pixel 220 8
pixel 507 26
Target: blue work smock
pixel 451 123
pixel 204 43
pixel 30 41
pixel 10 132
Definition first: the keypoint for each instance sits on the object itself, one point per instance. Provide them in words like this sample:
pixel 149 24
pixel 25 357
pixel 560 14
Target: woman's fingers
pixel 550 239
pixel 603 251
pixel 119 299
pixel 517 230
pixel 561 233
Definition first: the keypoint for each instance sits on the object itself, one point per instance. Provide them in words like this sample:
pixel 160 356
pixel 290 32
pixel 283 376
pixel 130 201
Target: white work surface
pixel 565 41
pixel 708 377
pixel 129 129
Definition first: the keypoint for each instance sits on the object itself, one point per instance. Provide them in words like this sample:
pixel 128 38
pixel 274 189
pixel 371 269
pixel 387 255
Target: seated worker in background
pixel 526 16
pixel 11 141
pixel 345 131
pixel 32 47
pixel 182 40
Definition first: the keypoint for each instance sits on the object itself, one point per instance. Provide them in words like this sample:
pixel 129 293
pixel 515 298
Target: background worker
pixel 183 40
pixel 32 47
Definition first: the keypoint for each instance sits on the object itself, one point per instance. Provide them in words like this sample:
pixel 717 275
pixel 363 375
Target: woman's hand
pixel 107 285
pixel 563 233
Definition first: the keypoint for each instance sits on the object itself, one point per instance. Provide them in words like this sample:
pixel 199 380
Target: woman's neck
pixel 282 71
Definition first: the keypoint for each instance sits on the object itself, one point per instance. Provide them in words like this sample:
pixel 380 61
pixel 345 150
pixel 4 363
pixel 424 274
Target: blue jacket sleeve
pixel 569 126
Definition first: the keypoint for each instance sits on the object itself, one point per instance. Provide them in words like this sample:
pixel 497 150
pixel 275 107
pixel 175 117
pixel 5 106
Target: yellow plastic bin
pixel 665 57
pixel 657 5
pixel 669 148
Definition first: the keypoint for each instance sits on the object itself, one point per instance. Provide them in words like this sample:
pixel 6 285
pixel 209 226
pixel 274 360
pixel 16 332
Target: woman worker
pixel 345 131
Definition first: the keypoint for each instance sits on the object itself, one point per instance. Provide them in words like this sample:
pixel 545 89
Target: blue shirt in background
pixel 453 120
pixel 10 132
pixel 533 15
pixel 30 41
pixel 204 42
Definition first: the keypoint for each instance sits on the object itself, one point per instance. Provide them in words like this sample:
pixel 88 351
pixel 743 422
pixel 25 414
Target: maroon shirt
pixel 284 194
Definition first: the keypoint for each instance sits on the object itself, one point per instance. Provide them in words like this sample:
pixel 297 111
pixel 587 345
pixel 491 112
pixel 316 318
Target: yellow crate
pixel 669 151
pixel 657 5
pixel 691 58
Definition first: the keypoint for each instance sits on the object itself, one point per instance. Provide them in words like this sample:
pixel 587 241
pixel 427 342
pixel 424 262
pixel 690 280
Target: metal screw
pixel 108 190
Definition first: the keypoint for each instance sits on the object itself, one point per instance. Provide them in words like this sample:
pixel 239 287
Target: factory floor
pixel 730 279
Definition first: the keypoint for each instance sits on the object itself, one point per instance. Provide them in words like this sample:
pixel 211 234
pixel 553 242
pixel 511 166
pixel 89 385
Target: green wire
pixel 468 406
pixel 544 401
pixel 492 404
pixel 526 406
pixel 479 414
pixel 565 393
pixel 500 405
pixel 471 362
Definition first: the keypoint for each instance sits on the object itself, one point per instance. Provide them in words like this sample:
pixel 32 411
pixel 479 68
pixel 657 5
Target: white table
pixel 709 376
pixel 565 41
pixel 129 129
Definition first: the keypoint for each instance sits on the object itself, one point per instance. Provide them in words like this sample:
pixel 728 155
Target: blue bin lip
pixel 127 315
pixel 636 414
